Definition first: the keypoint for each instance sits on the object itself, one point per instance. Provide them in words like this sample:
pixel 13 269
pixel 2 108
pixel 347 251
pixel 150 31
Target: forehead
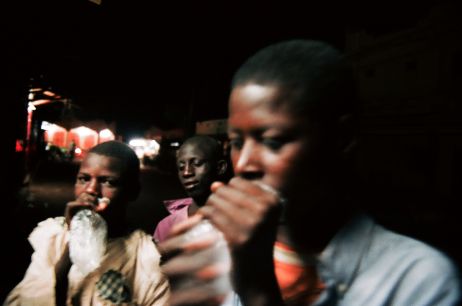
pixel 103 164
pixel 193 150
pixel 260 105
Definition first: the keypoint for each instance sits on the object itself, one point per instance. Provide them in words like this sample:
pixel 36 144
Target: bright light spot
pixel 40 102
pixel 30 107
pixel 83 131
pixel 175 144
pixel 78 151
pixel 106 133
pixel 19 145
pixel 137 142
pixel 46 126
pixel 144 147
pixel 49 93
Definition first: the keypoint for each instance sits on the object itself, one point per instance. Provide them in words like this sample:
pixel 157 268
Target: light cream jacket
pixel 134 256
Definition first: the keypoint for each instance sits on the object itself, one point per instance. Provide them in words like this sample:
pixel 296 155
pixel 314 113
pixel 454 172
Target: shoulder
pixel 391 244
pixel 177 216
pixel 47 230
pixel 418 268
pixel 147 256
pixel 144 247
pixel 54 224
pixel 164 226
pixel 177 204
pixel 399 269
pixel 428 277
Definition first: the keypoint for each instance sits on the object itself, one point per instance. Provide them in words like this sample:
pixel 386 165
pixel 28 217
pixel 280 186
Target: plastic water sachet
pixel 87 241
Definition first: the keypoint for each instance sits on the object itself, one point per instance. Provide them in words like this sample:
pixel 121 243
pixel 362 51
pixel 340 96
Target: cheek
pixel 78 189
pixel 278 170
pixel 109 193
pixel 281 167
pixel 201 174
pixel 234 154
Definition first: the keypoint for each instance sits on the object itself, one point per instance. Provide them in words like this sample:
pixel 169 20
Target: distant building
pixel 215 127
pixel 412 72
pixel 80 138
pixel 410 87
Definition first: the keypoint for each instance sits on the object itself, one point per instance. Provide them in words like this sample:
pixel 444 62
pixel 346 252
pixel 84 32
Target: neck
pixel 192 209
pixel 197 203
pixel 322 235
pixel 200 200
pixel 312 234
pixel 283 235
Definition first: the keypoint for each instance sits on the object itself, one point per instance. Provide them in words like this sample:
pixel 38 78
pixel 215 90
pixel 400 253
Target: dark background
pixel 143 64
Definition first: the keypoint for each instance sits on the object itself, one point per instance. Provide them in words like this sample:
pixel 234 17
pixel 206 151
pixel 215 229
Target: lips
pixel 190 185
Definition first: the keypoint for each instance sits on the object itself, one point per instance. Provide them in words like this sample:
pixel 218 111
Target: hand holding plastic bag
pixel 197 263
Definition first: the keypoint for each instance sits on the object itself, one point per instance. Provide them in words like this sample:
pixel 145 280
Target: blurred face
pixel 196 170
pixel 294 155
pixel 101 176
pixel 267 142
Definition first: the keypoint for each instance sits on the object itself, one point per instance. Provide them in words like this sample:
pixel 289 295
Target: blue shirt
pixel 368 265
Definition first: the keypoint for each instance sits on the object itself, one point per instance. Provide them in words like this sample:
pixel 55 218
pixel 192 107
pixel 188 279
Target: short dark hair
pixel 316 78
pixel 207 144
pixel 123 152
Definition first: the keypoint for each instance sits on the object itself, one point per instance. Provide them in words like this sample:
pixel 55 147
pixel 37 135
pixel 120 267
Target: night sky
pixel 144 64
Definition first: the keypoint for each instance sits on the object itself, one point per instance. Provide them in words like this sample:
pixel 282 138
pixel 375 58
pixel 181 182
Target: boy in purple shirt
pixel 199 162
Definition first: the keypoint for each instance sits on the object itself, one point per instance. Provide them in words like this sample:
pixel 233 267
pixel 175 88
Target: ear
pixel 222 165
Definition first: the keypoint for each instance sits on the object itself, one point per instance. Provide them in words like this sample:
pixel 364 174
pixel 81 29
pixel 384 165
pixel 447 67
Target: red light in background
pixel 19 145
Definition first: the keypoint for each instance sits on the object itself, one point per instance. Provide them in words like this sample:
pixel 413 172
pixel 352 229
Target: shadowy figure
pixel 292 131
pixel 88 256
pixel 200 162
pixel 71 151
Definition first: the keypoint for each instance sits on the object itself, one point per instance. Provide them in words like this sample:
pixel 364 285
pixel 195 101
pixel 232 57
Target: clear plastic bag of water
pixel 218 254
pixel 87 240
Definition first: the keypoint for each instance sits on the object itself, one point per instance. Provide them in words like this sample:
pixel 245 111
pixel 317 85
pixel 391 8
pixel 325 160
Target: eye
pixel 236 143
pixel 274 143
pixel 198 163
pixel 109 182
pixel 83 179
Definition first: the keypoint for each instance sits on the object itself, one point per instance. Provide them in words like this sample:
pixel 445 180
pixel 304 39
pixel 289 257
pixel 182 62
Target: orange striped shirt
pixel 299 283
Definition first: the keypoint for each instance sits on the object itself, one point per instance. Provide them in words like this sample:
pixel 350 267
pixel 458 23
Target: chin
pixel 196 193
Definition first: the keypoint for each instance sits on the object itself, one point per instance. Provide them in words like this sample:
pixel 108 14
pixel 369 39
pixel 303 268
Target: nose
pixel 93 187
pixel 188 170
pixel 247 160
